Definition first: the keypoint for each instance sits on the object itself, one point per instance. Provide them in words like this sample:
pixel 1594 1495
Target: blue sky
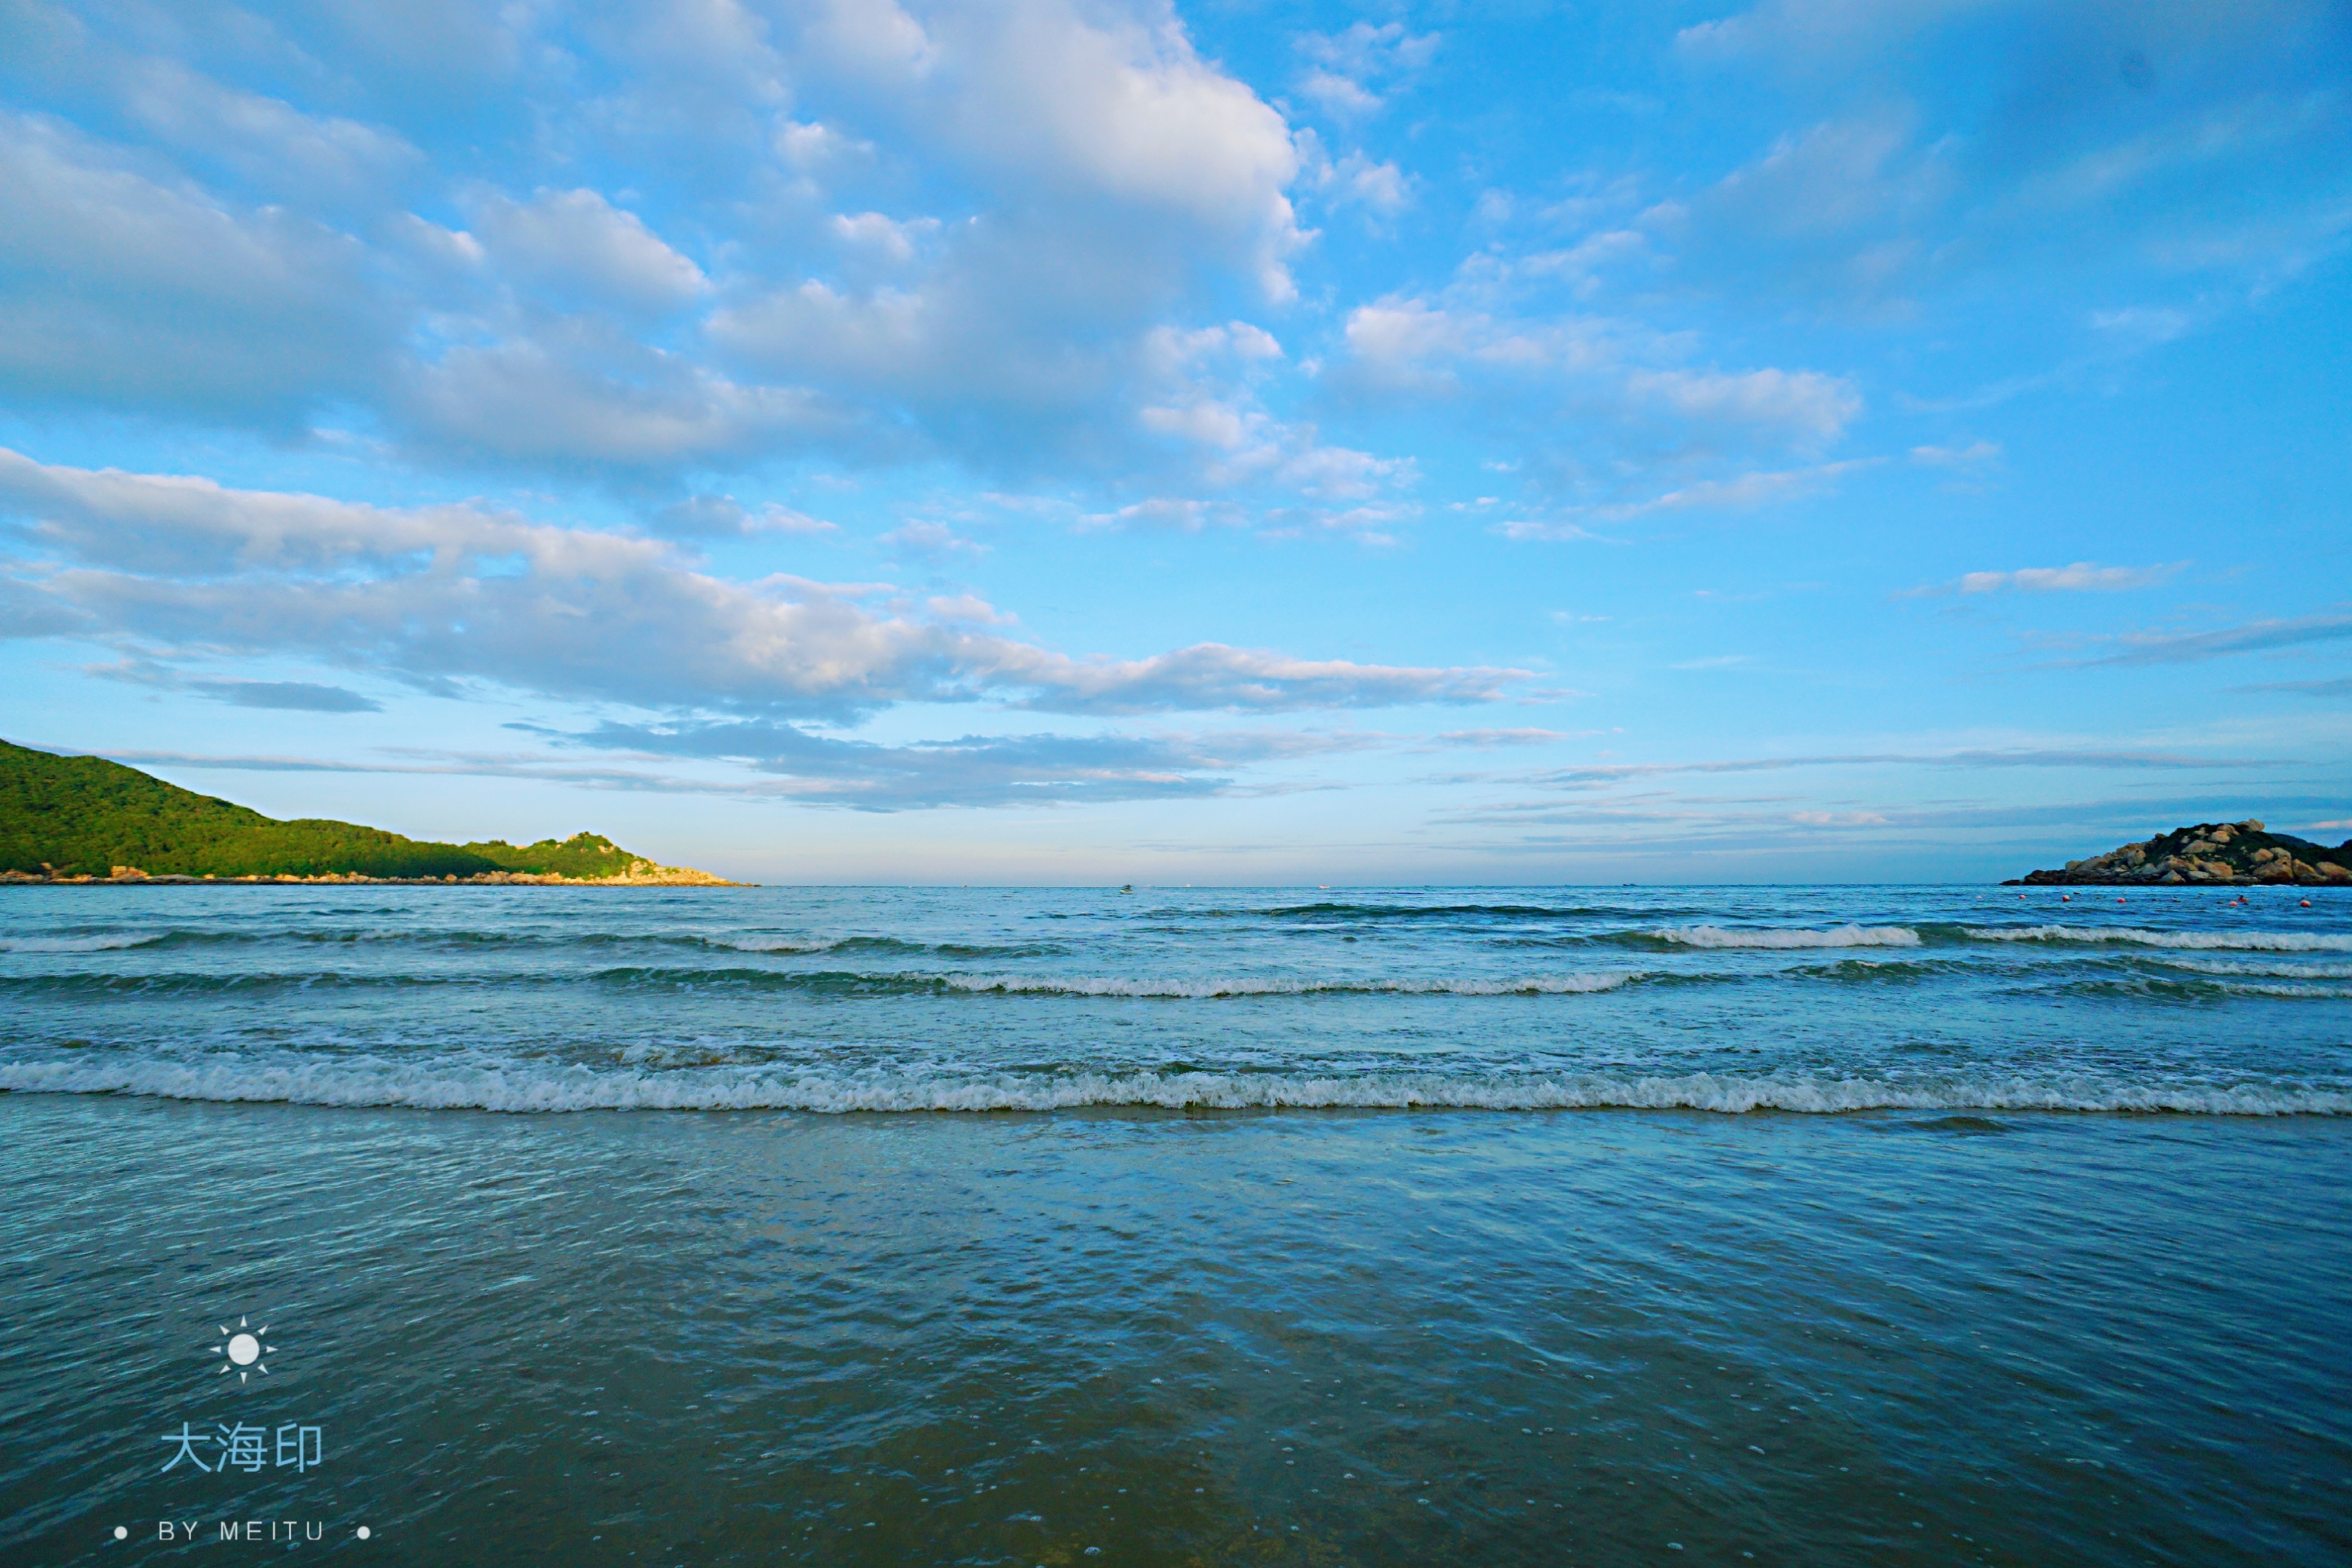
pixel 1052 441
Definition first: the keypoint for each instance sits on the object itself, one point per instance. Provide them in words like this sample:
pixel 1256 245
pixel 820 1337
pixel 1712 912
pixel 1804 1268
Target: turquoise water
pixel 1731 999
pixel 1502 1225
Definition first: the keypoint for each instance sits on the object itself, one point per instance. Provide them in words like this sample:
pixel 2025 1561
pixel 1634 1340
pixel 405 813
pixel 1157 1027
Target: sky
pixel 1070 441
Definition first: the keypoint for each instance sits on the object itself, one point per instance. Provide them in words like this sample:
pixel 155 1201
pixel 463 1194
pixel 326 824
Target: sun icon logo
pixel 244 1348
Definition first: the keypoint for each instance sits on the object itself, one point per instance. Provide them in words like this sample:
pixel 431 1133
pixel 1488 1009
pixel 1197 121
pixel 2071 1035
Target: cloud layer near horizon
pixel 170 566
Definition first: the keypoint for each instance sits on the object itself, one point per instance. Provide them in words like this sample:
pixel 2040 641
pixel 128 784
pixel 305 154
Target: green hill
pixel 85 816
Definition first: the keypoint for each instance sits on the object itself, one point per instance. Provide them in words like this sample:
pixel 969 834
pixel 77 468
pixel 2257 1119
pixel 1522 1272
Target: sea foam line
pixel 105 943
pixel 2227 940
pixel 2307 970
pixel 525 1088
pixel 1839 936
pixel 1058 985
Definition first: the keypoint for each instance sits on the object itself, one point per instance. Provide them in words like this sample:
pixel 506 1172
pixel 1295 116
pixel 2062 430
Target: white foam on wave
pixel 105 943
pixel 533 1089
pixel 1274 985
pixel 2308 969
pixel 2225 940
pixel 1839 936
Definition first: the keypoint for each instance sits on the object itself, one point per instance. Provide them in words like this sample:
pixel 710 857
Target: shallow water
pixel 1145 1327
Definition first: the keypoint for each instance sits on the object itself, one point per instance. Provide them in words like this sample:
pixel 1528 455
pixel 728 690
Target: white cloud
pixel 266 142
pixel 719 516
pixel 1342 65
pixel 1486 740
pixel 1338 95
pixel 1740 493
pixel 1973 456
pixel 931 539
pixel 1186 514
pixel 1355 179
pixel 2083 576
pixel 1206 421
pixel 1807 404
pixel 434 595
pixel 818 149
pixel 887 236
pixel 1071 101
pixel 580 396
pixel 579 244
pixel 120 290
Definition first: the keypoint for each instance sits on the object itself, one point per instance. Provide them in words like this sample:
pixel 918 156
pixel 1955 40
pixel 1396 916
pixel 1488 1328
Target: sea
pixel 1176 1225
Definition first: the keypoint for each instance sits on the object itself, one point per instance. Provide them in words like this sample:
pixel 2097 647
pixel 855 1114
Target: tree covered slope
pixel 77 816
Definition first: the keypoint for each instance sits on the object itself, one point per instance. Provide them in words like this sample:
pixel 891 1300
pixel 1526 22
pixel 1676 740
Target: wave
pixel 428 939
pixel 540 1088
pixel 1530 986
pixel 1879 971
pixel 2189 988
pixel 102 942
pixel 1773 938
pixel 2225 940
pixel 822 981
pixel 1353 912
pixel 2289 971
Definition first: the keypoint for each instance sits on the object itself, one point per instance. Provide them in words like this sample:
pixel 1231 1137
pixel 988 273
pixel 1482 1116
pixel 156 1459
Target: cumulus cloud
pixel 1589 401
pixel 128 292
pixel 941 231
pixel 584 397
pixel 1341 70
pixel 578 245
pixel 1380 188
pixel 183 566
pixel 921 538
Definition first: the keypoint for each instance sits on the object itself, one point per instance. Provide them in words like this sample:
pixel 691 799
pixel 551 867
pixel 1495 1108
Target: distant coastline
pixel 87 822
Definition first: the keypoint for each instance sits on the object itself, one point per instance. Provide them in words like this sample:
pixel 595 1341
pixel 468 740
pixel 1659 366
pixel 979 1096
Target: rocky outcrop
pixel 2211 852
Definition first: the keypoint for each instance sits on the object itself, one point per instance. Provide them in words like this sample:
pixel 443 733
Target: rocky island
pixel 82 820
pixel 2211 852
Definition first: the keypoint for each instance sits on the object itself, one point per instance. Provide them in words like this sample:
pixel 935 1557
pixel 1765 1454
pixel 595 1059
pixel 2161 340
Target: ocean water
pixel 1185 1225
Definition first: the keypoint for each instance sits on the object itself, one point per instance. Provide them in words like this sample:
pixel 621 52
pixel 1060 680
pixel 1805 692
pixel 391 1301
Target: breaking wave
pixel 533 1087
pixel 822 981
pixel 1838 936
pixel 1357 911
pixel 2289 971
pixel 2223 940
pixel 106 943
